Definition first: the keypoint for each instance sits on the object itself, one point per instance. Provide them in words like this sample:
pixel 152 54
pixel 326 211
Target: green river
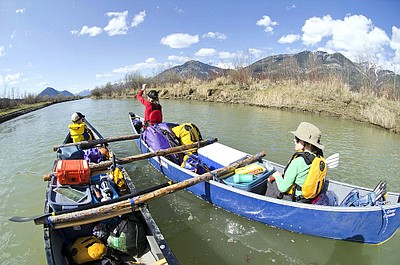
pixel 196 231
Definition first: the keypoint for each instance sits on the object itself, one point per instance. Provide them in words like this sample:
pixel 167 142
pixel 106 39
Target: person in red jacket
pixel 153 110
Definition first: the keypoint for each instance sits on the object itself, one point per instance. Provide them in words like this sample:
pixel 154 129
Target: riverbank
pixel 21 110
pixel 328 97
pixel 325 98
pixel 12 113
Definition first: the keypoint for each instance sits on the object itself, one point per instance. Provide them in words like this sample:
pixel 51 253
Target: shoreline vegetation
pixel 329 97
pixel 325 97
pixel 12 108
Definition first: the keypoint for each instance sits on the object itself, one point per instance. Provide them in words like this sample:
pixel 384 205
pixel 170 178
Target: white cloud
pixel 289 38
pixel 179 40
pixel 256 53
pixel 103 75
pixel 180 59
pixel 42 84
pixel 137 19
pixel 14 34
pixel 293 6
pixel 117 24
pixel 20 11
pixel 2 51
pixel 227 55
pixel 92 31
pixel 315 29
pixel 395 42
pixel 215 35
pixel 10 79
pixel 240 55
pixel 205 52
pixel 268 24
pixel 149 63
pixel 395 45
pixel 356 37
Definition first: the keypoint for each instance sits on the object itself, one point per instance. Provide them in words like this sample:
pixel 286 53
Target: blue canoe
pixel 368 225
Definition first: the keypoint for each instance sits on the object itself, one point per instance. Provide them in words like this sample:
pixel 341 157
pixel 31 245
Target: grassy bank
pixel 22 107
pixel 10 113
pixel 323 97
pixel 328 97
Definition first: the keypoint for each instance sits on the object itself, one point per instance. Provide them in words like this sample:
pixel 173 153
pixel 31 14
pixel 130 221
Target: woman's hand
pixel 272 178
pixel 144 86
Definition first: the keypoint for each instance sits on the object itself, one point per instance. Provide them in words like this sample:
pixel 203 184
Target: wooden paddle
pixel 91 143
pixel 173 150
pixel 20 219
pixel 178 149
pixel 115 209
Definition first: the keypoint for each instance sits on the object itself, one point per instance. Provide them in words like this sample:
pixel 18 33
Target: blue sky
pixel 80 44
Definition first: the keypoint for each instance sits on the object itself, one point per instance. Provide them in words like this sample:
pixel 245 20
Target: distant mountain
pixel 319 65
pixel 84 93
pixel 306 65
pixel 66 93
pixel 191 69
pixel 51 92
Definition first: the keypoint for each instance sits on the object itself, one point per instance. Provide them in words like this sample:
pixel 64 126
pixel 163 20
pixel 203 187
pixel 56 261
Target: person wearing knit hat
pixel 307 145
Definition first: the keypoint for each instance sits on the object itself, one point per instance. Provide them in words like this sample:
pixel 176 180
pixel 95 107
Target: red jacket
pixel 148 106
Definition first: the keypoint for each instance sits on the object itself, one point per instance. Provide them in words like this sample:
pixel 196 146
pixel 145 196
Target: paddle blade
pixel 333 160
pixel 20 219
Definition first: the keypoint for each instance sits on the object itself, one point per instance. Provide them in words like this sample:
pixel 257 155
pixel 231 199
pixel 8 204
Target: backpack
pixel 93 155
pixel 193 163
pixel 327 198
pixel 354 199
pixel 316 176
pixel 187 133
pixel 158 137
pixel 155 117
pixel 128 236
pixel 70 152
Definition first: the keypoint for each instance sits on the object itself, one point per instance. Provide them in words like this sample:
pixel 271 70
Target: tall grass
pixel 328 95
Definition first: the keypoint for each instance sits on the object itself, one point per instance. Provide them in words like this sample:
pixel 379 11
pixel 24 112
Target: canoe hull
pixel 56 240
pixel 369 225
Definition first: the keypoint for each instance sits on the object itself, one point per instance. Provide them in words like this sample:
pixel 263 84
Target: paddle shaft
pixel 106 164
pixel 91 143
pixel 90 206
pixel 126 206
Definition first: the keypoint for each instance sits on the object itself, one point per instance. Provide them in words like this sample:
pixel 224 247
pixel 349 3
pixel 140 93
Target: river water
pixel 197 232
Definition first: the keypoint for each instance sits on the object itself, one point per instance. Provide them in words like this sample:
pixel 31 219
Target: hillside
pixel 189 70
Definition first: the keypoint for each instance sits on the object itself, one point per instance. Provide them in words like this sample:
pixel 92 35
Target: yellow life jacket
pixel 315 178
pixel 187 133
pixel 79 133
pixel 119 179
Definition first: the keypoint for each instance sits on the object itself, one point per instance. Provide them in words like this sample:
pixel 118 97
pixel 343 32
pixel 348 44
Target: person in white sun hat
pixel 78 130
pixel 292 185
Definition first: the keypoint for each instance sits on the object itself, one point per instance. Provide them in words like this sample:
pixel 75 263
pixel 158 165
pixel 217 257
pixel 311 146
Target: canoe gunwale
pixel 385 219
